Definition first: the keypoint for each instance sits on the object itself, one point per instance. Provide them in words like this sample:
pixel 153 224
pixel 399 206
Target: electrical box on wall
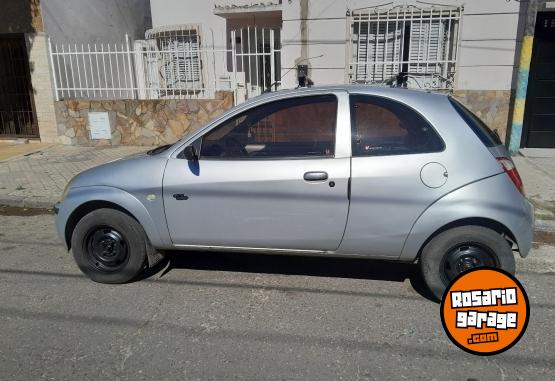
pixel 302 75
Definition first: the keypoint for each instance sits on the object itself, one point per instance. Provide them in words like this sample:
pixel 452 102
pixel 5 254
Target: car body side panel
pixel 494 198
pixel 387 196
pixel 156 232
pixel 262 202
pixel 135 184
pixel 258 203
pixel 387 193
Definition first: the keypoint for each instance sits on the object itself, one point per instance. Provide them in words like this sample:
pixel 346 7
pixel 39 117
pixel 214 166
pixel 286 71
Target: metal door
pixel 539 120
pixel 257 204
pixel 17 109
pixel 265 203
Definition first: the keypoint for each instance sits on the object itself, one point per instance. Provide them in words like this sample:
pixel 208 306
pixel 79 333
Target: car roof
pixel 386 91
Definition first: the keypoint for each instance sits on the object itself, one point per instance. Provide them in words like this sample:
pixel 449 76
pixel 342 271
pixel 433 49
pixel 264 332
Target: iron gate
pixel 17 109
pixel 256 57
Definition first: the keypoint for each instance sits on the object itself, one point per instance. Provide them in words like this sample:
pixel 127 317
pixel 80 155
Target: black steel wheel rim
pixel 107 249
pixel 463 257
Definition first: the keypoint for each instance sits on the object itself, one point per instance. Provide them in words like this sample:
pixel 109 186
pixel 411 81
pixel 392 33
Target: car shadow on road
pixel 351 268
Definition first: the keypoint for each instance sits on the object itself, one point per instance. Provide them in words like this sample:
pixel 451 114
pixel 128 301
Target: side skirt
pixel 270 251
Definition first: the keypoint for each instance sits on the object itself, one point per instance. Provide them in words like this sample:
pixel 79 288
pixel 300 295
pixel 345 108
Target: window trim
pixel 403 104
pixel 198 139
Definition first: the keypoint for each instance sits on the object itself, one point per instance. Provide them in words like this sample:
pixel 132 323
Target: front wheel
pixel 457 250
pixel 109 246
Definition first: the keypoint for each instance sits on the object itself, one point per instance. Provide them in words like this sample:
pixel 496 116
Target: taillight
pixel 510 169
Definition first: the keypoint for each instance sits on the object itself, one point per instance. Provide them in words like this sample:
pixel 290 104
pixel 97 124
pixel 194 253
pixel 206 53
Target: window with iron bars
pixel 405 46
pixel 179 57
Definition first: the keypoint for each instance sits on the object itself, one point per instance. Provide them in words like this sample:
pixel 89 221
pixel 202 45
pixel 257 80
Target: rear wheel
pixel 460 249
pixel 109 246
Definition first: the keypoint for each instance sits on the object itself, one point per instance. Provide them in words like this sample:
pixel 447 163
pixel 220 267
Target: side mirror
pixel 190 153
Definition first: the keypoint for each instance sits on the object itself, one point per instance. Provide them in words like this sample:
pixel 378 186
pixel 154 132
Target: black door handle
pixel 315 176
pixel 180 197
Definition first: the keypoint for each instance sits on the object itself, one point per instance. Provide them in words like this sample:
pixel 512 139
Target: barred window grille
pixel 180 59
pixel 421 43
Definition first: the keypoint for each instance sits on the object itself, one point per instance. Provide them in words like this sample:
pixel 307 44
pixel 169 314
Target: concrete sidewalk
pixel 537 169
pixel 11 149
pixel 37 179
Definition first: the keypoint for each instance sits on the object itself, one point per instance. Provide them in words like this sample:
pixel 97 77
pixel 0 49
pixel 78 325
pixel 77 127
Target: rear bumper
pixel 524 233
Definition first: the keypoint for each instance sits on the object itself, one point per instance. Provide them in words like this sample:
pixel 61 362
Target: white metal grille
pixel 179 50
pixel 143 71
pixel 256 56
pixel 421 43
pixel 176 67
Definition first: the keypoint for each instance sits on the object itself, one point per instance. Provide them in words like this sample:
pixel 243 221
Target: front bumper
pixel 60 220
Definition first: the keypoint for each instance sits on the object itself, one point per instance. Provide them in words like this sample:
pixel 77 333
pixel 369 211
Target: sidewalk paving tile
pixel 37 179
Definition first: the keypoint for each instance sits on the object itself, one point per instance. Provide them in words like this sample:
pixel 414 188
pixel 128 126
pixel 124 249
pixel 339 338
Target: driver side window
pixel 296 127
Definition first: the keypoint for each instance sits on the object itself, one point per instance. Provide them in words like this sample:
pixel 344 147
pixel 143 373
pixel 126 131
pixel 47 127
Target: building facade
pixel 27 81
pixel 495 56
pixel 471 48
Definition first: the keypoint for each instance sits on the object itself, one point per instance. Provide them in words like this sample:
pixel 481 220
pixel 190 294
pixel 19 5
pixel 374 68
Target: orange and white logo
pixel 485 311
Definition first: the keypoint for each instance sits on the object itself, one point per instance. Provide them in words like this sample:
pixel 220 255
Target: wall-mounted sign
pixel 99 124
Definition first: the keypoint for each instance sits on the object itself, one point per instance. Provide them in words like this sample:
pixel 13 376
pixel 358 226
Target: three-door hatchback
pixel 353 171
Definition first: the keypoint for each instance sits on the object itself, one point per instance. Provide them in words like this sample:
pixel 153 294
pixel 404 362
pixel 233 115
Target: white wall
pixel 486 57
pixel 95 21
pixel 215 29
pixel 175 12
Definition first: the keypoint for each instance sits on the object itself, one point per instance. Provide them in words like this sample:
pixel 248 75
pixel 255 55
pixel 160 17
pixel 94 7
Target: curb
pixel 26 202
pixel 544 225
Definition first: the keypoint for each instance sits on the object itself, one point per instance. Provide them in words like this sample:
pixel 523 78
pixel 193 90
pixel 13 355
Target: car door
pixel 397 172
pixel 273 176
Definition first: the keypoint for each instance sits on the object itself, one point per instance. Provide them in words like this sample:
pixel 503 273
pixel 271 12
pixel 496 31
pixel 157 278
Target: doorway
pixel 17 108
pixel 539 117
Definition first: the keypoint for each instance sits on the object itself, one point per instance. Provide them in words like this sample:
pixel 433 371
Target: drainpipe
pixel 522 79
pixel 303 59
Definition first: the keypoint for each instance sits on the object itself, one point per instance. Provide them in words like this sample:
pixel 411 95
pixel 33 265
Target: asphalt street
pixel 233 316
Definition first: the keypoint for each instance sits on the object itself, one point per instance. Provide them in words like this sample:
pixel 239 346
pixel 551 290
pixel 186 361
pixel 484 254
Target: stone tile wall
pixel 492 106
pixel 138 122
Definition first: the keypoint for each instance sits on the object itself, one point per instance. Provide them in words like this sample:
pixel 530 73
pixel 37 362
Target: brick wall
pixel 138 122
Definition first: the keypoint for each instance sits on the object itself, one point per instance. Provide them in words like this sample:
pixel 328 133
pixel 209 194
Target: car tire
pixel 459 249
pixel 110 246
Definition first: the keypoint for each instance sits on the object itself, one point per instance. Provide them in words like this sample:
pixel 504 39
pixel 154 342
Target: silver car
pixel 347 171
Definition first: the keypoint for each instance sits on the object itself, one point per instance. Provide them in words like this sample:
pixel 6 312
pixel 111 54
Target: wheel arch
pixel 83 200
pixel 472 221
pixel 84 209
pixel 493 202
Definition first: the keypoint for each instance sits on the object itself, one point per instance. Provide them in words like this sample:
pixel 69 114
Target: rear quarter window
pixel 483 132
pixel 381 127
